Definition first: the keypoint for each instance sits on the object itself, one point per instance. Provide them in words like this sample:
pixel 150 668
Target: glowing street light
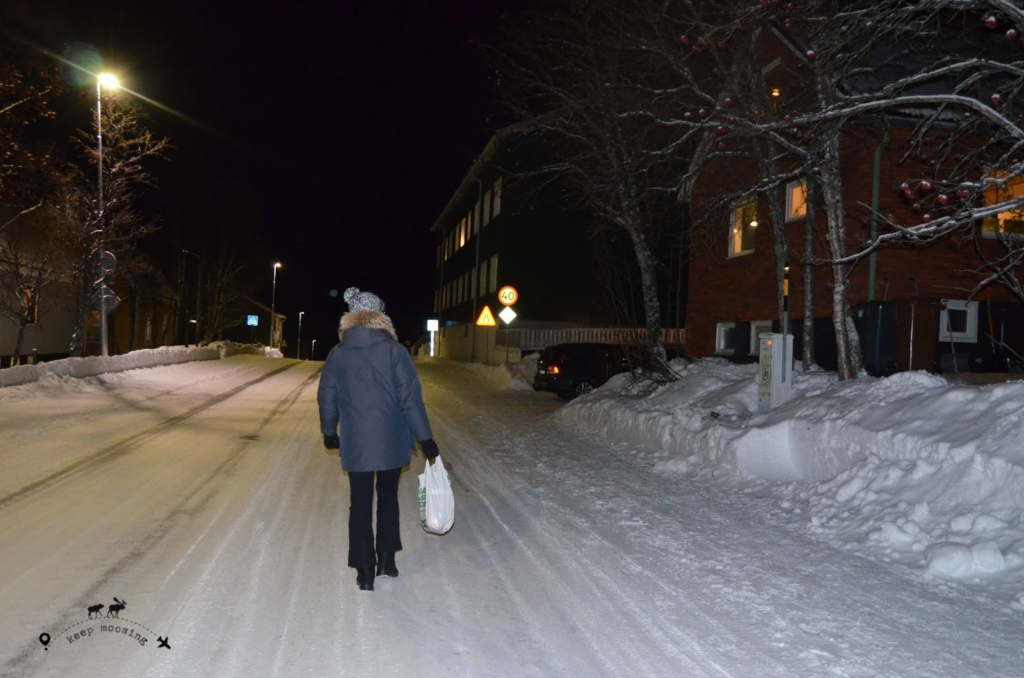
pixel 273 294
pixel 312 349
pixel 110 82
pixel 298 342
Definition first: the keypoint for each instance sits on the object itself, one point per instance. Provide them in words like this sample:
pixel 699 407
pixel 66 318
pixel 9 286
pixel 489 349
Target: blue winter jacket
pixel 370 395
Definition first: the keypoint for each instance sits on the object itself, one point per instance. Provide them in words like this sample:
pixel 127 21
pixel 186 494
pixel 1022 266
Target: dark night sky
pixel 332 133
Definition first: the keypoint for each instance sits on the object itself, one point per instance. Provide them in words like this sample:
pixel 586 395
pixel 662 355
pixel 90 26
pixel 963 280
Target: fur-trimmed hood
pixel 372 320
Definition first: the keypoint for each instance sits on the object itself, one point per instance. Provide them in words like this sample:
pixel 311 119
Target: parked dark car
pixel 574 369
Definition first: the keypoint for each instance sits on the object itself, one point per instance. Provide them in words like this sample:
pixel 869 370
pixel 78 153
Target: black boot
pixel 386 564
pixel 364 578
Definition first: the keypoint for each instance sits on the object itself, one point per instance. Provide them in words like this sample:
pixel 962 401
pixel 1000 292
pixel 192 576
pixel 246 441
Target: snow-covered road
pixel 200 495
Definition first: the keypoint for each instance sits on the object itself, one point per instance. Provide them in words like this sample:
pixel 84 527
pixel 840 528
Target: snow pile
pixel 909 468
pixel 515 376
pixel 153 357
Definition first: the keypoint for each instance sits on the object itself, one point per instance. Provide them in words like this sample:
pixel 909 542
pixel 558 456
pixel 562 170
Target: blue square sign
pixel 254 321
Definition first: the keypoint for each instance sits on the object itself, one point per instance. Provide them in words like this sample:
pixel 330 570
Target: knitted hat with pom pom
pixel 363 301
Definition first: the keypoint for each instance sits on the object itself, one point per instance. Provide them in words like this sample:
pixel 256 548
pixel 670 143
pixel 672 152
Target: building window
pixel 796 200
pixel 29 305
pixel 1004 189
pixel 958 321
pixel 487 208
pixel 757 328
pixel 744 225
pixel 725 337
pixel 494 274
pixel 483 278
pixel 462 233
pixel 497 199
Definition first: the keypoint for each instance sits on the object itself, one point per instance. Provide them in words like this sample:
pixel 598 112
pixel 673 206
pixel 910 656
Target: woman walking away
pixel 371 409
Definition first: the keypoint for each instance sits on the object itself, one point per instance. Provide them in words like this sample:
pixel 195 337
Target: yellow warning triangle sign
pixel 486 319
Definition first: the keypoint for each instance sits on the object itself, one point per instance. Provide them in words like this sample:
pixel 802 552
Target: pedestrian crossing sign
pixel 486 319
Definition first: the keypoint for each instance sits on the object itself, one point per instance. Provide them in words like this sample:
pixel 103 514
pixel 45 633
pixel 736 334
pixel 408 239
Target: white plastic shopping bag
pixel 437 503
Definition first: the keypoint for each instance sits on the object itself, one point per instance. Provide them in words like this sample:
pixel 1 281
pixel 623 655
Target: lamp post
pixel 273 294
pixel 199 284
pixel 312 349
pixel 298 341
pixel 110 82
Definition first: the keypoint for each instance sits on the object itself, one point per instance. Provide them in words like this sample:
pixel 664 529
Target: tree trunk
pixel 807 355
pixel 649 291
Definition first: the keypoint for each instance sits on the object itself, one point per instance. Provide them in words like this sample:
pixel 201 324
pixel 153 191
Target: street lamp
pixel 312 349
pixel 298 342
pixel 273 294
pixel 110 82
pixel 199 284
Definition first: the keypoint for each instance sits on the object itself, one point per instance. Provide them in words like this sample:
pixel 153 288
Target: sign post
pixel 508 295
pixel 432 328
pixel 486 319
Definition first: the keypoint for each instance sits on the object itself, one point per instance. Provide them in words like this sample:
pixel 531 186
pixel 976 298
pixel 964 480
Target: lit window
pixel 497 198
pixel 757 328
pixel 494 274
pixel 29 305
pixel 725 338
pixel 796 200
pixel 958 321
pixel 744 224
pixel 487 208
pixel 1010 222
pixel 462 233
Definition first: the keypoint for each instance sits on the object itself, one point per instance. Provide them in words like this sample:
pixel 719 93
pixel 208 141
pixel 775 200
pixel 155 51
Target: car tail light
pixel 553 369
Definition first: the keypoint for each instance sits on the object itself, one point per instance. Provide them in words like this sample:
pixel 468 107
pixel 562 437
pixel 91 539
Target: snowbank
pixel 94 365
pixel 515 376
pixel 910 468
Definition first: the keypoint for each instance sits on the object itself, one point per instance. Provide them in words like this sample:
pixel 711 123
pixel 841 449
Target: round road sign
pixel 507 295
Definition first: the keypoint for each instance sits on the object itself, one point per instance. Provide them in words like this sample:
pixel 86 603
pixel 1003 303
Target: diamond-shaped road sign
pixel 508 315
pixel 105 296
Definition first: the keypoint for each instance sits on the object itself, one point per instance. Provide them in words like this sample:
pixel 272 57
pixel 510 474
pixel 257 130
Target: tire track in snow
pixel 187 506
pixel 131 443
pixel 590 591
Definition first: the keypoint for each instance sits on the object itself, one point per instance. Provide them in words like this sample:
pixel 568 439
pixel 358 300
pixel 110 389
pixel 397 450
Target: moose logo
pixel 112 611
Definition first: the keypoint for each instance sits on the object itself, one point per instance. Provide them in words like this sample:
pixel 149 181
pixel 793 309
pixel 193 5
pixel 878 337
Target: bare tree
pixel 116 224
pixel 577 82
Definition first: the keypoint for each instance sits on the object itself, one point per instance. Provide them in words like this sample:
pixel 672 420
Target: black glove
pixel 331 442
pixel 429 448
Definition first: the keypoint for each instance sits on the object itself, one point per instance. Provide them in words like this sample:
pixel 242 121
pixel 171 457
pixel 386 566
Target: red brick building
pixel 917 314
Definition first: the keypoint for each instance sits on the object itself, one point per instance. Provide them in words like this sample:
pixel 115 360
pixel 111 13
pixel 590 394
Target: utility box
pixel 775 373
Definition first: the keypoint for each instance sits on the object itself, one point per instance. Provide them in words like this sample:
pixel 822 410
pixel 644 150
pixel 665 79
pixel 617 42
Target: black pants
pixel 362 549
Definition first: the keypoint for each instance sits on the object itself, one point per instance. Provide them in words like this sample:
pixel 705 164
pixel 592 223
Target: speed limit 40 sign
pixel 507 295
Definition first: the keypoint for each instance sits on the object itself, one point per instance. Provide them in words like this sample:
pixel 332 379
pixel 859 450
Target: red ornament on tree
pixel 1012 34
pixel 916 207
pixel 991 21
pixel 702 113
pixel 942 199
pixel 721 145
pixel 687 115
pixel 904 186
pixel 908 194
pixel 683 40
pixel 811 55
pixel 926 218
pixel 815 171
pixel 997 99
pixel 926 185
pixel 963 194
